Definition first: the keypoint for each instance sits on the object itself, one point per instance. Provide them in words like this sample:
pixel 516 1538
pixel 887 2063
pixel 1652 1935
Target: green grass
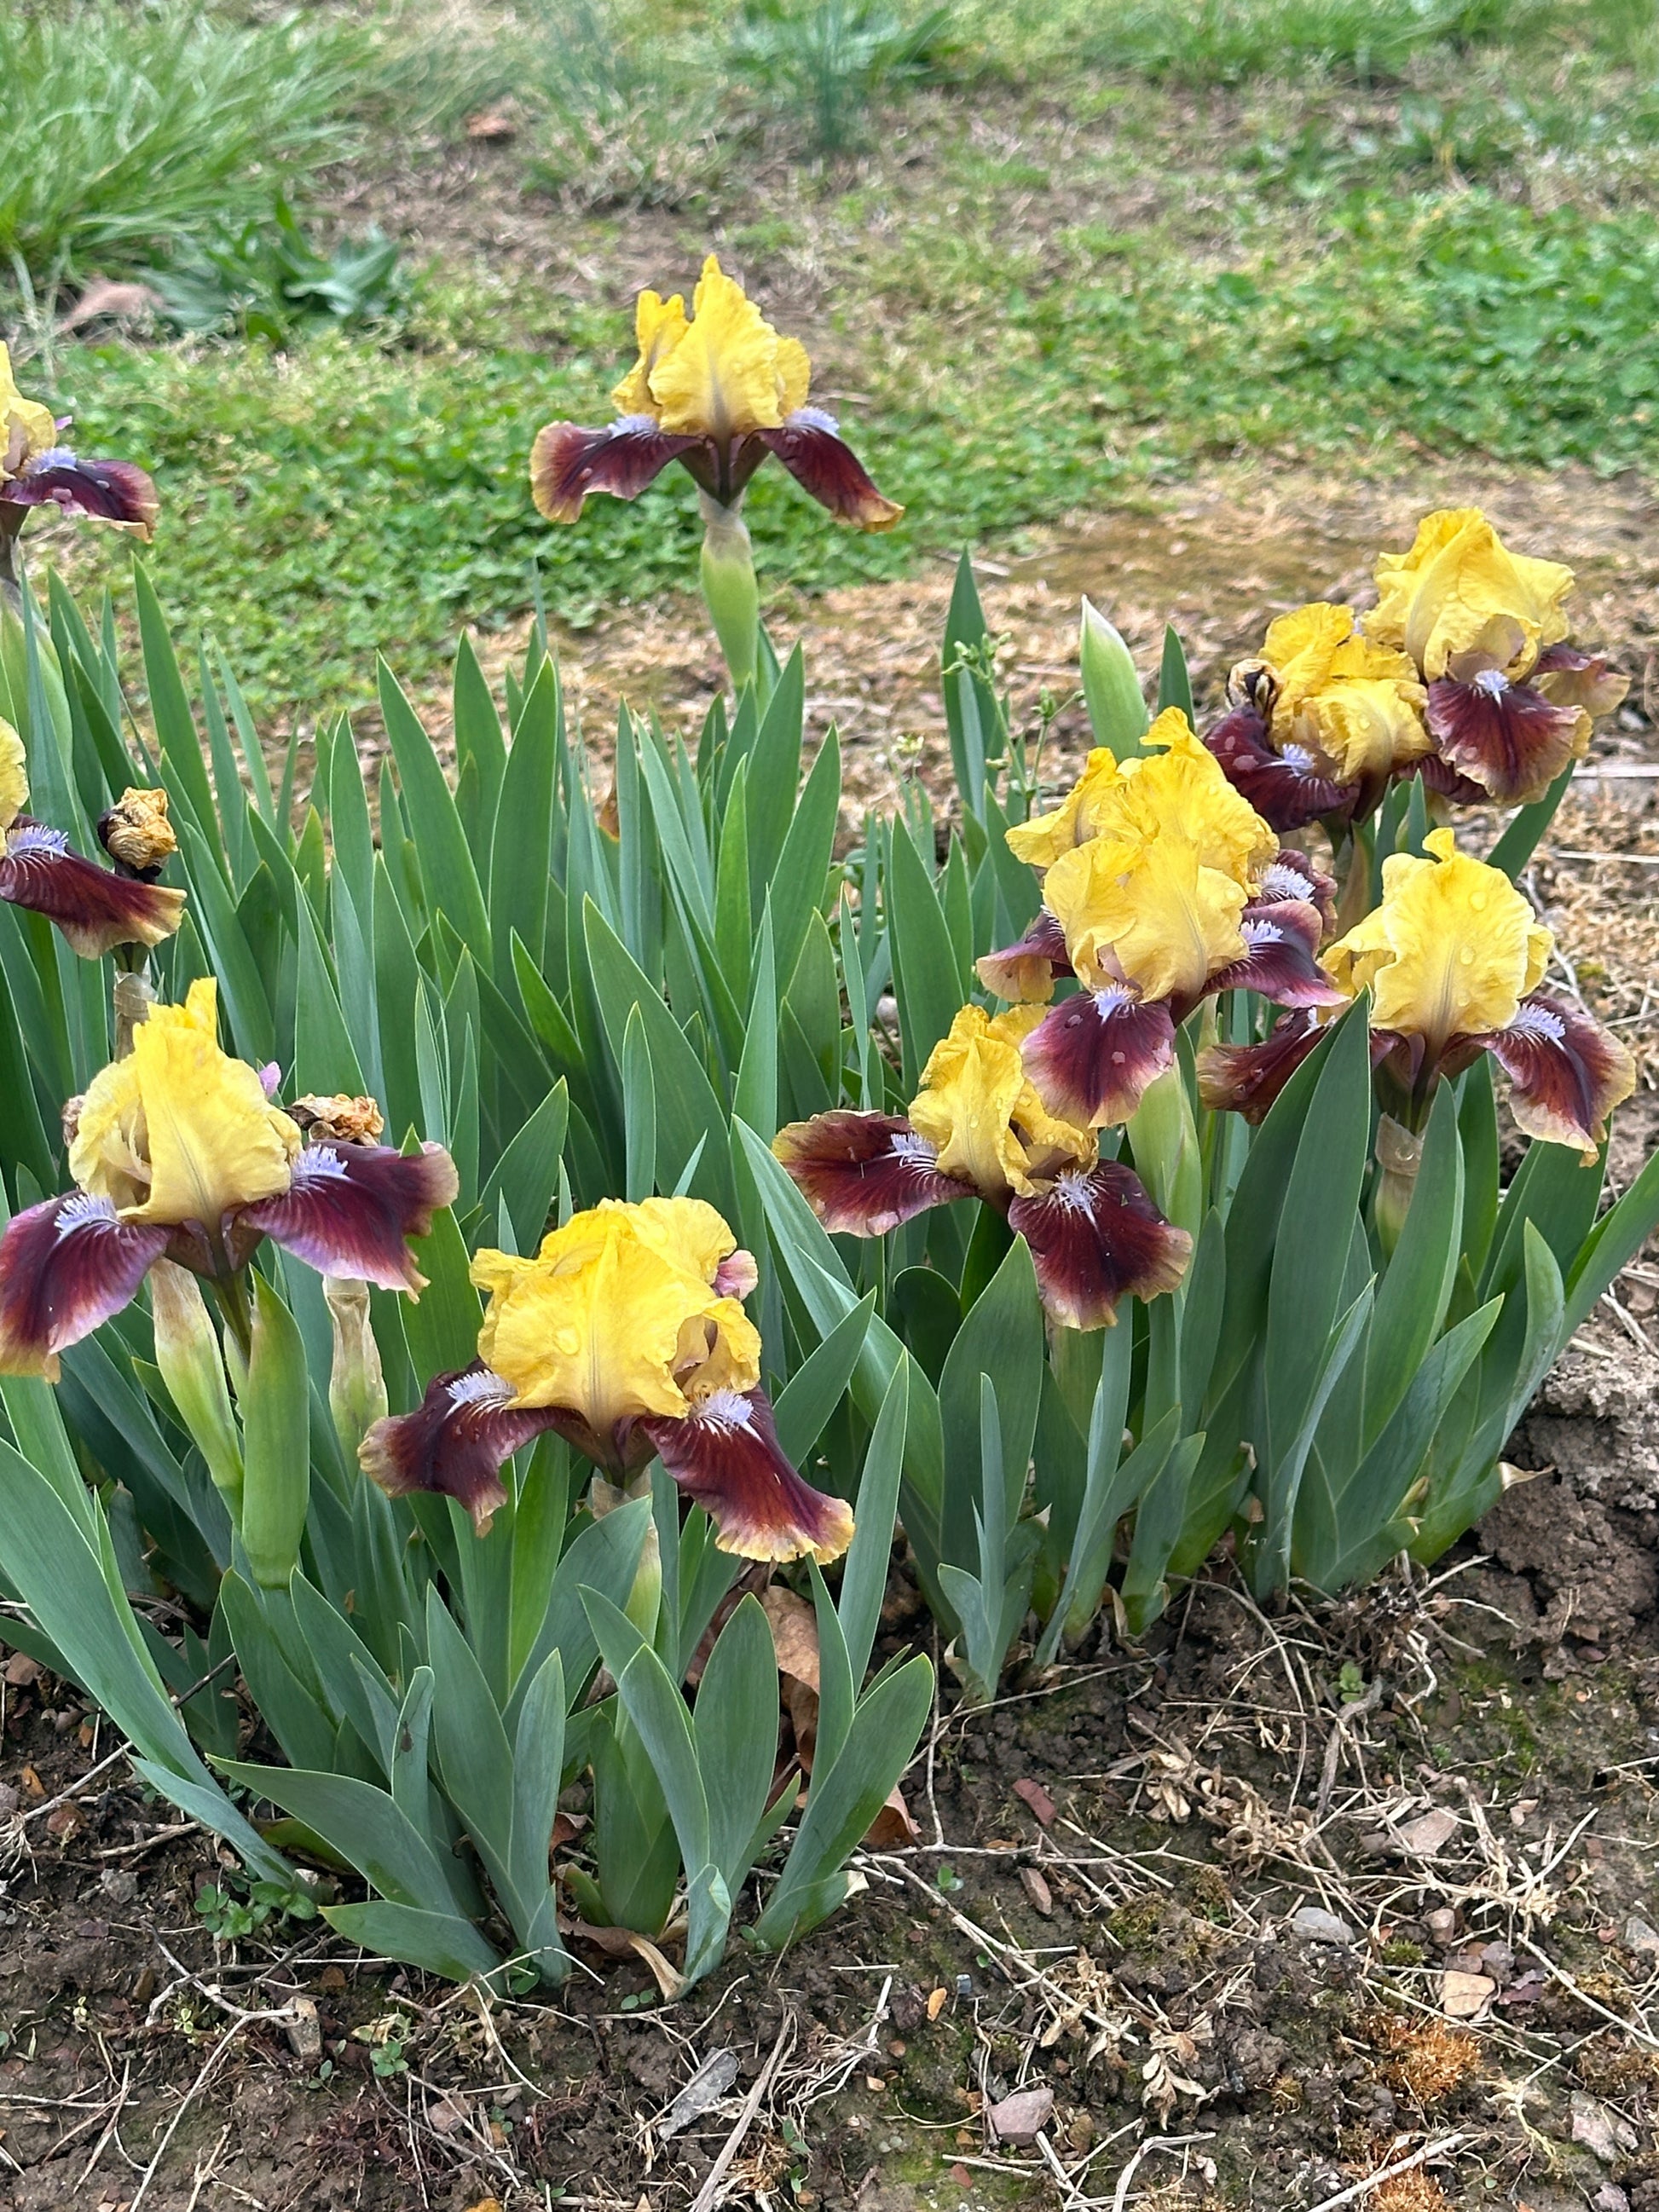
pixel 124 127
pixel 1041 297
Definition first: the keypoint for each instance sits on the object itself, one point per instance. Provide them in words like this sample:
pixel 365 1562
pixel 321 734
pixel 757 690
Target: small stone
pixel 119 1884
pixel 1609 2197
pixel 1320 1927
pixel 1442 1924
pixel 444 2115
pixel 19 1670
pixel 1019 2118
pixel 1638 1936
pixel 303 2031
pixel 1033 1795
pixel 1463 1997
pixel 1431 1832
pixel 1599 2129
pixel 1497 1961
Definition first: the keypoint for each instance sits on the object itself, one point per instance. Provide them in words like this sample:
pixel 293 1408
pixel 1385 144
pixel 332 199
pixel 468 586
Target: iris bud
pixel 357 1381
pixel 187 1352
pixel 729 587
pixel 1111 688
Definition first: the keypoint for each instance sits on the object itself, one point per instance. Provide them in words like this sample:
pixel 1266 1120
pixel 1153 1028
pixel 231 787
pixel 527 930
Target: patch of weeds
pixel 1209 42
pixel 266 278
pixel 126 127
pixel 231 1909
pixel 825 62
pixel 628 116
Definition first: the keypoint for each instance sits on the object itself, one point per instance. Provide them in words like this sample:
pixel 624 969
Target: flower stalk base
pixel 729 587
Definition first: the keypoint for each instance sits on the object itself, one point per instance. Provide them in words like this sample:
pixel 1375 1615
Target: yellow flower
pixel 178 1131
pixel 618 1316
pixel 1460 590
pixel 720 373
pixel 1041 841
pixel 1177 784
pixel 1366 725
pixel 979 1111
pixel 13 775
pixel 26 429
pixel 1343 695
pixel 1151 915
pixel 1451 952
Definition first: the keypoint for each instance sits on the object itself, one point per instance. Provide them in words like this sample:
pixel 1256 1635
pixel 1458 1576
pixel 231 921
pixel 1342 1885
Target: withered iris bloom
pixel 96 909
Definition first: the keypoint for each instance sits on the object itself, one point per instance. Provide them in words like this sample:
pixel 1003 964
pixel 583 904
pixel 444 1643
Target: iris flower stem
pixel 230 1294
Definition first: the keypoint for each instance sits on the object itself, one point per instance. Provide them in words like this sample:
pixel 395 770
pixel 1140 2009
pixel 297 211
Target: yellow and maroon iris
pixel 717 390
pixel 38 469
pixel 177 1150
pixel 977 1128
pixel 1453 958
pixel 626 1333
pixel 1162 885
pixel 96 909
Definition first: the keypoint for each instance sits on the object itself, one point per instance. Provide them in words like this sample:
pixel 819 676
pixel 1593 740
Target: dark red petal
pixel 1282 939
pixel 864 1174
pixel 1293 875
pixel 109 491
pixel 1570 678
pixel 455 1442
pixel 95 908
pixel 1092 1056
pixel 1566 1072
pixel 1440 776
pixel 566 462
pixel 1096 1237
pixel 1282 793
pixel 1507 737
pixel 66 1264
pixel 1246 1078
pixel 1026 971
pixel 810 447
pixel 350 1208
pixel 726 1455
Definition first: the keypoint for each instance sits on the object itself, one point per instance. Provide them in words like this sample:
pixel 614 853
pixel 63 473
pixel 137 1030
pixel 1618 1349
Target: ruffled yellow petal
pixel 722 380
pixel 617 1316
pixel 1451 950
pixel 1460 589
pixel 1151 915
pixel 178 1131
pixel 1365 726
pixel 659 324
pixel 1301 648
pixel 978 1110
pixel 1041 841
pixel 13 775
pixel 1178 789
pixel 27 428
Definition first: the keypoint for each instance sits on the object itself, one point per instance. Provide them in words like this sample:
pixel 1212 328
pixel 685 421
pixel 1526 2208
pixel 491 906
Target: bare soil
pixel 1222 1899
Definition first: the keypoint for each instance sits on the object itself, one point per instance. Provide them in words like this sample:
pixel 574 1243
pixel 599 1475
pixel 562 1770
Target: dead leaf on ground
pixel 1038 1890
pixel 625 1942
pixel 1041 1803
pixel 936 2000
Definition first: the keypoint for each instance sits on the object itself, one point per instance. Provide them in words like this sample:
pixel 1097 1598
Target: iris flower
pixel 1453 958
pixel 36 469
pixel 626 1333
pixel 717 391
pixel 1320 721
pixel 177 1151
pixel 978 1129
pixel 1509 701
pixel 96 909
pixel 1162 885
